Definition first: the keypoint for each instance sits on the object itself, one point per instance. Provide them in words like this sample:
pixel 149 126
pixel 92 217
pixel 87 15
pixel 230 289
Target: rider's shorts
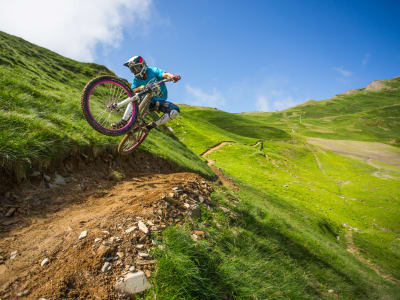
pixel 164 106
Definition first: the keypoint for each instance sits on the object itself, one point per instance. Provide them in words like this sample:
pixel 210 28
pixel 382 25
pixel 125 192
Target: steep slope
pixel 40 119
pixel 299 223
pixel 312 196
pixel 369 114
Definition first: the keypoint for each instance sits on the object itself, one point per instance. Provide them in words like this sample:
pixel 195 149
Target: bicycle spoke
pixel 105 94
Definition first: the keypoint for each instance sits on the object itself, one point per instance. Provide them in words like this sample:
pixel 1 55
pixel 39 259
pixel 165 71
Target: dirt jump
pixel 75 235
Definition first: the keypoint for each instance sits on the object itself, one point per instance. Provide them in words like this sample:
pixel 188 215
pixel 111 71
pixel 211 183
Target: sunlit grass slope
pixel 201 128
pixel 364 115
pixel 304 198
pixel 40 116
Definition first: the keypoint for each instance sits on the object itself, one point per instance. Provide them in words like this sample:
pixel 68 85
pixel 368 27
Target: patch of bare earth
pixel 352 248
pixel 365 150
pixel 113 206
pixel 222 178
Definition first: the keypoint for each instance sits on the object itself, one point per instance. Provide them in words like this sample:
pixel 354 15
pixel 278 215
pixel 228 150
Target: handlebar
pixel 148 89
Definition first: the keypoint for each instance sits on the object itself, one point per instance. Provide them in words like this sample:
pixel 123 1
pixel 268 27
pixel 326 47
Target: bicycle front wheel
pixel 96 102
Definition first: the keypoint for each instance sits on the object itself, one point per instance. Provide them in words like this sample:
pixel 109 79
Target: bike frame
pixel 143 105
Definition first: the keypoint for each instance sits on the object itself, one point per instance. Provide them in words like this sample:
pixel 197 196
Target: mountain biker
pixel 142 75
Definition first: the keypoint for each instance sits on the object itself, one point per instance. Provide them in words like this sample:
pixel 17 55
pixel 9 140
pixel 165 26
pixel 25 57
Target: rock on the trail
pixel 115 239
pixel 60 180
pixel 13 254
pixel 143 227
pixel 199 233
pixel 82 235
pixel 96 240
pixel 133 283
pixel 196 212
pixel 23 293
pixel 106 267
pixel 130 229
pixel 10 212
pixel 143 254
pixel 44 262
pixel 103 251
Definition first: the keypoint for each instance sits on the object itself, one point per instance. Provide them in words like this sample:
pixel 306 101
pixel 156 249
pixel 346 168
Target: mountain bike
pixel 107 99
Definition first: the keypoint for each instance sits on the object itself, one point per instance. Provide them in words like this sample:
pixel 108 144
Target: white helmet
pixel 137 65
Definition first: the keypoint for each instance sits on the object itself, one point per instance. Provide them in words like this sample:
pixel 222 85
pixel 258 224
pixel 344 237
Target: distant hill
pixel 368 114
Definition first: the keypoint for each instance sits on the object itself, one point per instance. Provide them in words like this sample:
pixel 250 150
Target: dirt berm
pixel 74 233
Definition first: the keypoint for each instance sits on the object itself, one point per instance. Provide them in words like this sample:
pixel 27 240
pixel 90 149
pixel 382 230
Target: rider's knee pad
pixel 173 114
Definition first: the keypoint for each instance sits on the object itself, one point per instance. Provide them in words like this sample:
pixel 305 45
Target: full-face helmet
pixel 137 65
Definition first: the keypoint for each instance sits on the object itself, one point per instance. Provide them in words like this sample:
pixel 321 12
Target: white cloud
pixel 342 71
pixel 73 28
pixel 274 101
pixel 366 59
pixel 284 103
pixel 262 104
pixel 202 98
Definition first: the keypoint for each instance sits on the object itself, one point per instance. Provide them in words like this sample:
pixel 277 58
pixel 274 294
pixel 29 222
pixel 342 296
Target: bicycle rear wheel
pixel 132 140
pixel 136 136
pixel 96 103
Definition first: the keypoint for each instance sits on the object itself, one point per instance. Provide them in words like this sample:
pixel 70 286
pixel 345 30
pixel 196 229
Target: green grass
pixel 306 203
pixel 288 242
pixel 345 192
pixel 363 116
pixel 40 116
pixel 272 250
pixel 202 128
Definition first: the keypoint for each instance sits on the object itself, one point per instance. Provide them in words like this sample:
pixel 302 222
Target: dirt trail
pixel 316 158
pixel 352 248
pixel 215 148
pixel 50 218
pixel 224 180
pixel 365 150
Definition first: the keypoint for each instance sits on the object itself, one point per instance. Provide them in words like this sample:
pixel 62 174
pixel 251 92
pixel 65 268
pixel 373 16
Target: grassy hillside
pixel 366 114
pixel 201 128
pixel 40 116
pixel 301 197
pixel 301 207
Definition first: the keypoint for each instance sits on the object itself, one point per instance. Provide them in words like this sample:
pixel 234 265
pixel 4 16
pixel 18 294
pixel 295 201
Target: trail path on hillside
pixel 53 219
pixel 369 152
pixel 224 180
pixel 364 150
pixel 352 248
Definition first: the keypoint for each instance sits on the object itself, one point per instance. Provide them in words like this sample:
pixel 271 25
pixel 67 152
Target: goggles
pixel 136 69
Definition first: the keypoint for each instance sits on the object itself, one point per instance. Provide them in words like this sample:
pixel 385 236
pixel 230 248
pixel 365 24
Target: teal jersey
pixel 153 74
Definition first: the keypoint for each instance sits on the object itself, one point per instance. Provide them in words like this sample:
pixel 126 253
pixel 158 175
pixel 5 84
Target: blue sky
pixel 244 55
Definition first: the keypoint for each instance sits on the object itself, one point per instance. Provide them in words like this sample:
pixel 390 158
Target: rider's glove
pixel 176 78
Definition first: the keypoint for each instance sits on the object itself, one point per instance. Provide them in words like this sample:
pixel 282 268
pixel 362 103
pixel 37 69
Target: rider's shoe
pixel 150 126
pixel 119 124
